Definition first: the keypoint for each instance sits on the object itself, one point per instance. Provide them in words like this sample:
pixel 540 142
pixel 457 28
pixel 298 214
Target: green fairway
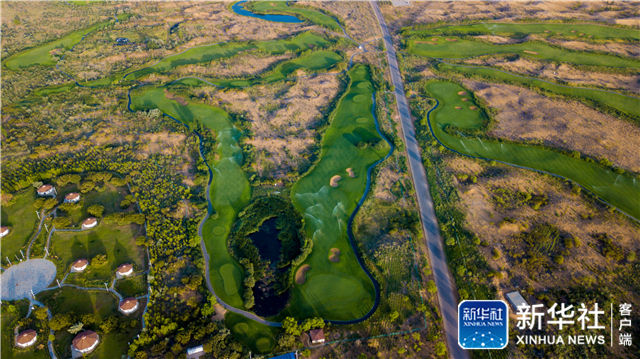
pixel 40 55
pixel 260 338
pixel 208 53
pixel 282 7
pixel 229 192
pixel 342 290
pixel 569 30
pixel 462 48
pixel 117 242
pixel 447 122
pixel 20 216
pixel 626 105
pixel 310 62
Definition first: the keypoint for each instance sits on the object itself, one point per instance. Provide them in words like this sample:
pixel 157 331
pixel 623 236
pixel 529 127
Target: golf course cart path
pixel 447 293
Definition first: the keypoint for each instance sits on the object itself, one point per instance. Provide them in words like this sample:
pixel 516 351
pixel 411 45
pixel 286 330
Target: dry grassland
pixel 567 211
pixel 524 115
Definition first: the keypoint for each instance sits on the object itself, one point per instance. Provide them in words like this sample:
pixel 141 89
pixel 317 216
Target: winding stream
pixel 239 9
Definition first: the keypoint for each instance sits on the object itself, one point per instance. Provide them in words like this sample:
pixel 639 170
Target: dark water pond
pixel 267 300
pixel 239 9
pixel 266 240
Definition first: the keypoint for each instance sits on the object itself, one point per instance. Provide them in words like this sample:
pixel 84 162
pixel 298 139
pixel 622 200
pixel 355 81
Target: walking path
pixel 447 292
pixel 35 235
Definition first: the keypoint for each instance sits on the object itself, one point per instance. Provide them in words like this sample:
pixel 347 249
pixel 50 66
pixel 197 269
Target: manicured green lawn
pixel 208 53
pixel 103 305
pixel 117 242
pixel 78 301
pixel 39 55
pixel 583 31
pixel 21 216
pixel 626 105
pixel 132 287
pixel 230 191
pixel 260 338
pixel 338 291
pixel 107 196
pixel 282 7
pixel 621 190
pixel 7 347
pixel 462 48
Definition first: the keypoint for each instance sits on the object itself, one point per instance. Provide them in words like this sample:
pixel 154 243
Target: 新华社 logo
pixel 483 324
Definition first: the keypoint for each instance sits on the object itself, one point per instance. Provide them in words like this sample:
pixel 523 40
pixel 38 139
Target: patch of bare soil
pixel 501 40
pixel 563 73
pixel 524 115
pixel 350 172
pixel 301 274
pixel 334 255
pixel 220 311
pixel 566 210
pixel 283 120
pixel 171 96
pixel 333 182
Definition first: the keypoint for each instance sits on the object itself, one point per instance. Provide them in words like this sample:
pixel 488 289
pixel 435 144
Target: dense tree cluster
pixel 289 226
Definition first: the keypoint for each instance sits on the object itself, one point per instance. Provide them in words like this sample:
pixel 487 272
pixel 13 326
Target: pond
pixel 239 9
pixel 266 240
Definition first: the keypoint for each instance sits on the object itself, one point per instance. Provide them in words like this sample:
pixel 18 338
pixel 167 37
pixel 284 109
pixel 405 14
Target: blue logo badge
pixel 483 324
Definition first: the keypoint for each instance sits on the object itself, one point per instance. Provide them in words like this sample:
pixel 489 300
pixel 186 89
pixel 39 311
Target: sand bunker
pixel 461 93
pixel 465 99
pixel 334 180
pixel 458 108
pixel 301 274
pixel 472 108
pixel 350 172
pixel 334 255
pixel 530 52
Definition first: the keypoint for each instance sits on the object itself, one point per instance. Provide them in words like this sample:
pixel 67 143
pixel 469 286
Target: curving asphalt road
pixel 447 292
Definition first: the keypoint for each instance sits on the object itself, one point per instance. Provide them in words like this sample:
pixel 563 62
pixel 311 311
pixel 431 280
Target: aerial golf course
pixel 457 121
pixel 351 144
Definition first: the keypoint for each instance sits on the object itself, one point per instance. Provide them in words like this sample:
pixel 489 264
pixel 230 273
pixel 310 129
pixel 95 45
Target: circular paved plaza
pixel 19 280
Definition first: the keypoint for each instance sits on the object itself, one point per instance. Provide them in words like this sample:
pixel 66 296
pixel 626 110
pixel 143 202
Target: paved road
pixel 447 293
